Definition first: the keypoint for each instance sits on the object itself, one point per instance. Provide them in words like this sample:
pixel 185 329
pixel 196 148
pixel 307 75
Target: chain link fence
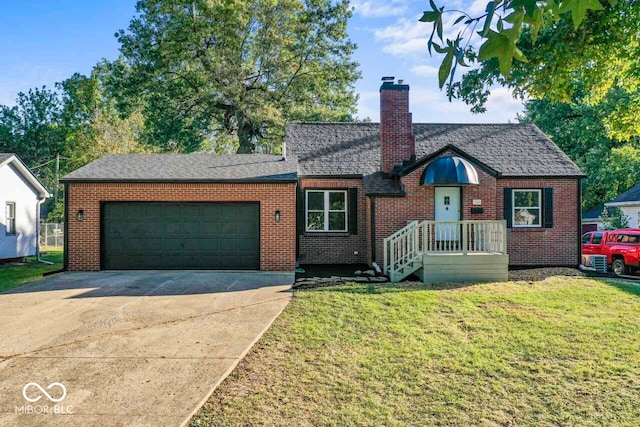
pixel 51 235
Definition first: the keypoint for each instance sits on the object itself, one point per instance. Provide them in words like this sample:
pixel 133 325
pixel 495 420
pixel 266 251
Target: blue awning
pixel 450 170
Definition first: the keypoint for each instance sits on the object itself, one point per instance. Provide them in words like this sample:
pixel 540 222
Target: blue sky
pixel 44 41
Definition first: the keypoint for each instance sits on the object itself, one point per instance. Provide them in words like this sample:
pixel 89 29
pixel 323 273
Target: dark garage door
pixel 175 236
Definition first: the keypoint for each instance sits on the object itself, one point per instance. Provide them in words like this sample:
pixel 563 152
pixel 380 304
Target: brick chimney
pixel 397 143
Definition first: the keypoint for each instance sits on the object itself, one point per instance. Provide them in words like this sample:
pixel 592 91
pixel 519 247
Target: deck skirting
pixel 458 267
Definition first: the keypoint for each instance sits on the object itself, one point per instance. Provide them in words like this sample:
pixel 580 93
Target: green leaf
pixel 529 6
pixel 460 18
pixel 445 67
pixel 535 23
pixel 429 16
pixel 578 9
pixel 491 7
pixel 438 48
pixel 502 45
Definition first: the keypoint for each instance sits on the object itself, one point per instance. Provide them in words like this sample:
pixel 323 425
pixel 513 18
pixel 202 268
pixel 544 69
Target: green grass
pixel 563 351
pixel 12 275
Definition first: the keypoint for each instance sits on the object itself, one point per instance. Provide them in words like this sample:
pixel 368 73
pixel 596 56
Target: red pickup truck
pixel 622 248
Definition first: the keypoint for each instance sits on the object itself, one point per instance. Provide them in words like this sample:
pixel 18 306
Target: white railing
pixel 404 248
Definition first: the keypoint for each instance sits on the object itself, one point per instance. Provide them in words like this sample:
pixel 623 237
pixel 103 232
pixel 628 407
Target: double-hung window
pixel 326 210
pixel 527 208
pixel 10 218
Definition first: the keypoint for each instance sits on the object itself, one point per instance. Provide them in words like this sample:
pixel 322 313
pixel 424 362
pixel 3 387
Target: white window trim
pixel 326 211
pixel 514 207
pixel 8 218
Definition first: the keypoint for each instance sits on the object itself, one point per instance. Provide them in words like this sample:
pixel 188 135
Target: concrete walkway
pixel 130 348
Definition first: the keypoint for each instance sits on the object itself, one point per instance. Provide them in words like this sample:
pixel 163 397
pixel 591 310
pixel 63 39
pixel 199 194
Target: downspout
pixel 38 203
pixel 374 264
pixel 579 221
pixel 65 254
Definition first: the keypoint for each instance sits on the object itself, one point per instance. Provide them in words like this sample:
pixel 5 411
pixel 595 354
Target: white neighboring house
pixel 20 197
pixel 629 204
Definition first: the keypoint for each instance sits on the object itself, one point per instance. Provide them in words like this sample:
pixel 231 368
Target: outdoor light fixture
pixel 80 215
pixel 277 216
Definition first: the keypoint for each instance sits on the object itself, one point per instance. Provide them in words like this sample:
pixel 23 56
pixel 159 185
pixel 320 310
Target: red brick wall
pixel 336 248
pixel 540 246
pixel 545 246
pixel 397 143
pixel 277 239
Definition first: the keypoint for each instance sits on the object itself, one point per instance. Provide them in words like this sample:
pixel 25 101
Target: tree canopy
pixel 579 128
pixel 541 49
pixel 234 71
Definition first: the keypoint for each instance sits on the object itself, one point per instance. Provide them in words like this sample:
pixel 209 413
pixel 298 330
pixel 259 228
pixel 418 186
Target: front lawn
pixel 12 275
pixel 563 351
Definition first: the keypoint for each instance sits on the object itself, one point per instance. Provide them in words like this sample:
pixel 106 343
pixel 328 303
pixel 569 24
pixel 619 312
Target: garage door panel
pixel 192 229
pixel 171 244
pixel 180 235
pixel 210 245
pixel 192 244
pixel 138 245
pixel 173 228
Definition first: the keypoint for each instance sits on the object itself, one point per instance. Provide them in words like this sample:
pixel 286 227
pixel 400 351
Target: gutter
pixel 178 181
pixel 616 204
pixel 373 228
pixel 579 221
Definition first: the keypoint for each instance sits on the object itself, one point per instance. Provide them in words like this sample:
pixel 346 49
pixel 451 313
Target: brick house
pixel 443 201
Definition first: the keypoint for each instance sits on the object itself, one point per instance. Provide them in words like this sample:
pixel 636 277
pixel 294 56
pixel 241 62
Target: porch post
pixel 465 235
pixel 504 236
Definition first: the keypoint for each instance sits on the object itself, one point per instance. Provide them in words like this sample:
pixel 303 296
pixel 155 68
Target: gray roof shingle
pixel 379 184
pixel 354 148
pixel 631 195
pixel 593 213
pixel 186 167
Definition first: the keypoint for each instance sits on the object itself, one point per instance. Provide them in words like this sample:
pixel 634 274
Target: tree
pixel 580 130
pixel 235 70
pixel 554 44
pixel 94 125
pixel 31 128
pixel 614 221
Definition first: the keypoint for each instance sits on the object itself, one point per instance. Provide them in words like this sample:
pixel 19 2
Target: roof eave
pixel 449 147
pixel 43 193
pixel 178 181
pixel 571 176
pixel 627 203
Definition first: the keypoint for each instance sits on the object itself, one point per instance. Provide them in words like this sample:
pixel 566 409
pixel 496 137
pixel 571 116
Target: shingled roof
pixel 512 150
pixel 630 196
pixel 186 167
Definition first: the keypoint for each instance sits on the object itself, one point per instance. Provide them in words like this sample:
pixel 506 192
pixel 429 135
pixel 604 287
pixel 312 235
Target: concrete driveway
pixel 130 348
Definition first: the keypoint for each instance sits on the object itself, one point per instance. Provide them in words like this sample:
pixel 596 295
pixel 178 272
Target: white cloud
pixel 369 105
pixel 426 71
pixel 501 103
pixel 405 38
pixel 380 8
pixel 430 105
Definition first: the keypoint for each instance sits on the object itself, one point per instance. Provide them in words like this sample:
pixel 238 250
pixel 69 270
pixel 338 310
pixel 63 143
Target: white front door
pixel 447 205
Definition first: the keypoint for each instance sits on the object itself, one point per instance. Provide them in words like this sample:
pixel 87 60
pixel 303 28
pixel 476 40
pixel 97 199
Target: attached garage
pixel 184 236
pixel 182 212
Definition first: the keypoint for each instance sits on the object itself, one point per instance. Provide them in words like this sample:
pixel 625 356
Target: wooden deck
pixel 456 251
pixel 459 267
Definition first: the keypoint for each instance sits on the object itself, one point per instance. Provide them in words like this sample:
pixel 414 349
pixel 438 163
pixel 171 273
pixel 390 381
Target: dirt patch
pixel 535 274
